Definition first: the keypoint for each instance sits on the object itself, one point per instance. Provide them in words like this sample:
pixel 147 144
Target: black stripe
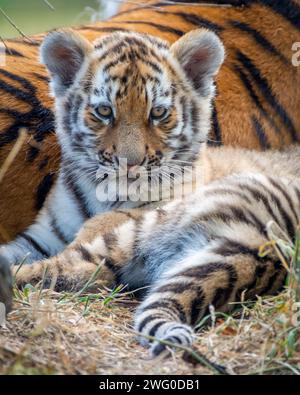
pixel 260 39
pixel 197 306
pixel 44 162
pixel 56 229
pixel 297 192
pixel 23 81
pixel 155 327
pixel 75 108
pixel 220 297
pixel 41 77
pixel 110 264
pixel 162 28
pixel 179 327
pixel 32 154
pixel 74 189
pixel 175 339
pixel 13 52
pixel 110 240
pixel 39 120
pixel 286 195
pixel 260 132
pixel 248 85
pixel 35 244
pixel 224 191
pixel 236 215
pixel 195 115
pixel 265 89
pixel 230 247
pixel 85 254
pixel 278 270
pixel 288 9
pixel 217 137
pixel 153 7
pixel 43 189
pixel 196 20
pixel 202 272
pixel 260 197
pixel 169 304
pixel 223 293
pixel 285 216
pixel 148 319
pixel 14 91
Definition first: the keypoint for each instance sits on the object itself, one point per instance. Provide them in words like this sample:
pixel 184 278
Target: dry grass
pixel 54 333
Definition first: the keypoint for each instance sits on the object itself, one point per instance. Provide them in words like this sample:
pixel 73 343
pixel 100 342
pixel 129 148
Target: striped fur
pixel 191 253
pixel 132 75
pixel 257 104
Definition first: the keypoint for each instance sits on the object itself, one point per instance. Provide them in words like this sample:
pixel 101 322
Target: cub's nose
pixel 135 165
pixel 130 164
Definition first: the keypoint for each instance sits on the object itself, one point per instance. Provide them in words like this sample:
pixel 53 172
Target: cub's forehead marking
pixel 131 64
pixel 129 39
pixel 126 79
pixel 106 90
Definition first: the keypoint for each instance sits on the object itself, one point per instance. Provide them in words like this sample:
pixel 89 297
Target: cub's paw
pixel 28 273
pixel 5 283
pixel 176 334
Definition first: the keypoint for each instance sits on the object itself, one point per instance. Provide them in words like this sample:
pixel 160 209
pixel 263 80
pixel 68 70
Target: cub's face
pixel 131 99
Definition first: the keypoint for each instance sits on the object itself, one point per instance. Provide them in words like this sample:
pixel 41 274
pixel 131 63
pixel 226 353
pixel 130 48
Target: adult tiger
pixel 257 106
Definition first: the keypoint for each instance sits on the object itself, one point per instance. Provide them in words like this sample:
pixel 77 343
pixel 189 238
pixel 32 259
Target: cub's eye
pixel 104 111
pixel 158 112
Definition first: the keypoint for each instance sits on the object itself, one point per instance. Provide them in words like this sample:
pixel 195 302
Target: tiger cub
pixel 133 97
pixel 127 103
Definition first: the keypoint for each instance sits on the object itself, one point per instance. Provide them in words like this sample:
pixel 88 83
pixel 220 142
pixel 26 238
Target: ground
pixel 51 333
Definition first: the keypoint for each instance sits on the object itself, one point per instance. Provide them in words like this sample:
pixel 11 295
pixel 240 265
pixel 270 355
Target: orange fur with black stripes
pixel 258 89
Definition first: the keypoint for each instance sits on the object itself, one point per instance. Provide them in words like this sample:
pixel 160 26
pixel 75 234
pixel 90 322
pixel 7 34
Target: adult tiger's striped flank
pixel 258 89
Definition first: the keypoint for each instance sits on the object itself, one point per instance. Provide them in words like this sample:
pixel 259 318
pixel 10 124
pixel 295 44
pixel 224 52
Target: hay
pixel 53 333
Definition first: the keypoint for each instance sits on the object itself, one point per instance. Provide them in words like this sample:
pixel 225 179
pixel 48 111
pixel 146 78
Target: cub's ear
pixel 63 52
pixel 201 54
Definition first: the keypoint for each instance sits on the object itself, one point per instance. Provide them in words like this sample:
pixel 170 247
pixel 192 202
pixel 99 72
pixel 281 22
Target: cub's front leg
pixel 99 250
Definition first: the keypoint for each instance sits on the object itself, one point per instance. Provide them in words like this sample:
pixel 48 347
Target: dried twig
pixel 196 355
pixel 13 153
pixel 14 25
pixel 7 163
pixel 49 5
pixel 5 45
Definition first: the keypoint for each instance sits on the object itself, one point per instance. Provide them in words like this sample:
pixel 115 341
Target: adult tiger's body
pixel 257 106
